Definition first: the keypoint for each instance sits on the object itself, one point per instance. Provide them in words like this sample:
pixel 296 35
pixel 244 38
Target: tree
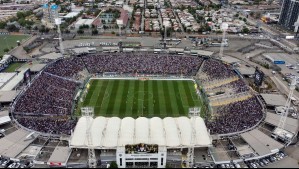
pixel 28 27
pixel 113 165
pixel 43 29
pixel 26 49
pixel 256 2
pixel 209 19
pixel 20 15
pixel 237 15
pixel 168 166
pixel 94 32
pixel 12 28
pixel 2 25
pixel 244 19
pixel 258 15
pixel 67 31
pixel 80 31
pixel 6 50
pixel 245 30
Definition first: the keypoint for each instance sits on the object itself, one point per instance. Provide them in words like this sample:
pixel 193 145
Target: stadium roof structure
pixel 3 113
pixel 274 99
pixel 59 156
pixel 202 52
pixel 5 77
pixel 230 60
pixel 246 70
pixel 14 143
pixel 37 67
pixel 291 124
pixel 261 143
pixel 115 132
pixel 11 84
pixel 52 56
pixel 4 120
pixel 8 96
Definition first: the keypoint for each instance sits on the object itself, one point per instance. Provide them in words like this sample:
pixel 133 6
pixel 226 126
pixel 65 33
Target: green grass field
pixel 9 41
pixel 133 98
pixel 12 67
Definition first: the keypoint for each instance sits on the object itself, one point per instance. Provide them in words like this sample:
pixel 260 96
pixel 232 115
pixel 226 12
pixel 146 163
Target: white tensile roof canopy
pixel 110 133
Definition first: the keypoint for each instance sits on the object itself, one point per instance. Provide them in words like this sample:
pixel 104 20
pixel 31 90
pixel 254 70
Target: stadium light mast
pixel 285 113
pixel 61 48
pixel 193 113
pixel 296 30
pixel 224 27
pixel 165 35
pixel 88 113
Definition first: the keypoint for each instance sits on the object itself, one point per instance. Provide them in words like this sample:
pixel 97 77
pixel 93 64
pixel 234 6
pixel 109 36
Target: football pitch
pixel 10 41
pixel 135 98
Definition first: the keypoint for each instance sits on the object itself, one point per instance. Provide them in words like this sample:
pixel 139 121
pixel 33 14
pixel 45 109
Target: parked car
pixel 237 165
pixel 265 161
pixel 4 163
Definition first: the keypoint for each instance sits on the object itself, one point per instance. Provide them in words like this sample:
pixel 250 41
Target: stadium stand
pixel 46 105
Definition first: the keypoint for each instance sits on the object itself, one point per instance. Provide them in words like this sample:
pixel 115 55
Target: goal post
pixel 194 112
pixel 87 111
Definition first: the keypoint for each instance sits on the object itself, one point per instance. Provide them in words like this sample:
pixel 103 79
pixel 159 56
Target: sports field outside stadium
pixel 134 98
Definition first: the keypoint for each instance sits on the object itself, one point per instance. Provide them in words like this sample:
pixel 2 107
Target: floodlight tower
pixel 296 28
pixel 88 113
pixel 193 113
pixel 224 27
pixel 120 24
pixel 58 23
pixel 165 35
pixel 285 113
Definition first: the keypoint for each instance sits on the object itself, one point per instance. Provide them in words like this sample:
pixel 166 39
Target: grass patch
pixel 134 98
pixel 13 66
pixel 10 41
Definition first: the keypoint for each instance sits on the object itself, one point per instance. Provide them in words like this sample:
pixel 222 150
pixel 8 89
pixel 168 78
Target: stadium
pixel 139 109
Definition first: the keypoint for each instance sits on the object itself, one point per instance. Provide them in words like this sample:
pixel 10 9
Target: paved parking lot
pixel 284 163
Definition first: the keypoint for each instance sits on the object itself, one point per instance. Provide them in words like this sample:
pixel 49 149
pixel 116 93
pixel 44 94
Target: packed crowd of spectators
pixel 48 95
pixel 66 68
pixel 215 69
pixel 238 86
pixel 143 63
pixel 47 125
pixel 236 117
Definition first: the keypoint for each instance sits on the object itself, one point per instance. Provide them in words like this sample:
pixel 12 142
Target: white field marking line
pixel 131 78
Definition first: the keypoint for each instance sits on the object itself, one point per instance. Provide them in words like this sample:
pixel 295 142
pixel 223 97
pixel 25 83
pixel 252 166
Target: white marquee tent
pixel 110 133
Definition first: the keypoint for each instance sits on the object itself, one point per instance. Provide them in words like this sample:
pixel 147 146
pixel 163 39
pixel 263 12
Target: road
pixel 179 21
pixel 279 82
pixel 273 33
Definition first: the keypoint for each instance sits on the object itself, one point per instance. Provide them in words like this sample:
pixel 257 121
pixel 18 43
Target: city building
pixel 82 22
pixel 23 1
pixel 50 12
pixel 289 14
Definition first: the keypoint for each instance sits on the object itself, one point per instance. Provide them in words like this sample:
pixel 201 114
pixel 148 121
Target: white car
pixel 237 165
pixel 12 165
pixel 4 163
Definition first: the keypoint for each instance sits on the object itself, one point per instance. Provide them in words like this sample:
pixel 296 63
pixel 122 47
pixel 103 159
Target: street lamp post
pixel 224 28
pixel 6 42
